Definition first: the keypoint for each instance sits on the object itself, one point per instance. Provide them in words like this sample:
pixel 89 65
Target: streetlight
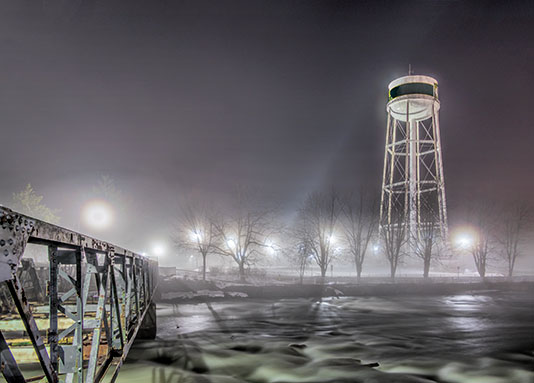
pixel 159 249
pixel 465 241
pixel 196 236
pixel 97 214
pixel 270 248
pixel 231 244
pixel 464 238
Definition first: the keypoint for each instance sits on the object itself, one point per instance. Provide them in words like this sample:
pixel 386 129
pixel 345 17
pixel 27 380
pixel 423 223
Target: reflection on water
pixel 464 338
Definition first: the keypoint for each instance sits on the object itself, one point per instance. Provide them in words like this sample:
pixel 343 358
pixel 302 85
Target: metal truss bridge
pixel 71 305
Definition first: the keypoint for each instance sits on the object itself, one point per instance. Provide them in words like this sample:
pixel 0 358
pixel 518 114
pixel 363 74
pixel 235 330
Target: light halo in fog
pixel 98 214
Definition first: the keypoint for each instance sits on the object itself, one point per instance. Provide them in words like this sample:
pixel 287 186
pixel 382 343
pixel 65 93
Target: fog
pixel 173 99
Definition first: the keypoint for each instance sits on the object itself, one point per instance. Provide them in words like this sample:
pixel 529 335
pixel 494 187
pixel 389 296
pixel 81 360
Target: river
pixel 482 338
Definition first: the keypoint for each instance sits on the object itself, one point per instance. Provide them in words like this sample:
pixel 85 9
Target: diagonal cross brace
pixel 23 307
pixel 10 368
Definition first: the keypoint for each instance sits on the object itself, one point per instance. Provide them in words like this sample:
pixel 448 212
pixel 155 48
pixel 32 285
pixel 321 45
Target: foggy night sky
pixel 176 98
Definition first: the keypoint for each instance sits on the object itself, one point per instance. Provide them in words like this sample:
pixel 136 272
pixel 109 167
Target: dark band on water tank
pixel 413 88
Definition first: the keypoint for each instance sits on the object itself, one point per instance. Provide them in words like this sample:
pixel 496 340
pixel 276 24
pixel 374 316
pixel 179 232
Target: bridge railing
pixel 75 318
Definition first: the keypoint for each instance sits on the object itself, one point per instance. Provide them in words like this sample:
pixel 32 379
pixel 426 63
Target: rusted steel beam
pixel 17 293
pixel 78 333
pixel 53 300
pixel 9 366
pixel 18 229
pixel 117 340
pixel 82 335
pixel 128 345
pixel 100 317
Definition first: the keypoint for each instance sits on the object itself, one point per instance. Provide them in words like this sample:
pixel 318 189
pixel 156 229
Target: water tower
pixel 413 187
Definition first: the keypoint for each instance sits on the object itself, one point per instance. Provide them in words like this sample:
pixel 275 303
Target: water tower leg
pixel 412 180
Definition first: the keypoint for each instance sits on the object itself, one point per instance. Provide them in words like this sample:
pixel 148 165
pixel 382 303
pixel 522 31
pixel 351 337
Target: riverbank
pixel 178 290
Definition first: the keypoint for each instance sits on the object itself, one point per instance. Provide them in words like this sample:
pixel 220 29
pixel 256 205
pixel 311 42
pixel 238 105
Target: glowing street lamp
pixel 97 214
pixel 231 244
pixel 196 236
pixel 270 248
pixel 465 238
pixel 464 241
pixel 159 249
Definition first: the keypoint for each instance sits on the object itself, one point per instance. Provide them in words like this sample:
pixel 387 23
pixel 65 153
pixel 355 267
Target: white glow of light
pixel 270 248
pixel 97 214
pixel 464 241
pixel 331 239
pixel 196 236
pixel 465 237
pixel 231 243
pixel 159 249
pixel 375 248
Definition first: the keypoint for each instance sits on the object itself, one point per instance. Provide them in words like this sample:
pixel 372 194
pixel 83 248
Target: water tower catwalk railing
pixel 74 319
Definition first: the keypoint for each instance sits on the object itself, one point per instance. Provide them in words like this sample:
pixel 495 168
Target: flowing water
pixel 481 338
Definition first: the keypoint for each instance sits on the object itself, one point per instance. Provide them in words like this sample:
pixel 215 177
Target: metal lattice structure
pixel 413 185
pixel 77 317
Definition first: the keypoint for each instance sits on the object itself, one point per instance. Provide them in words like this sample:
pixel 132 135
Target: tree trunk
pixel 323 274
pixel 204 267
pixel 482 272
pixel 510 268
pixel 426 268
pixel 359 270
pixel 241 271
pixel 393 270
pixel 480 263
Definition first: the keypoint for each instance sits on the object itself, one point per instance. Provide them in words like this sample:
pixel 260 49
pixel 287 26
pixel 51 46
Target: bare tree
pixel 196 232
pixel 480 251
pixel 427 245
pixel 360 221
pixel 393 237
pixel 243 234
pixel 297 251
pixel 482 217
pixel 512 231
pixel 318 218
pixel 302 260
